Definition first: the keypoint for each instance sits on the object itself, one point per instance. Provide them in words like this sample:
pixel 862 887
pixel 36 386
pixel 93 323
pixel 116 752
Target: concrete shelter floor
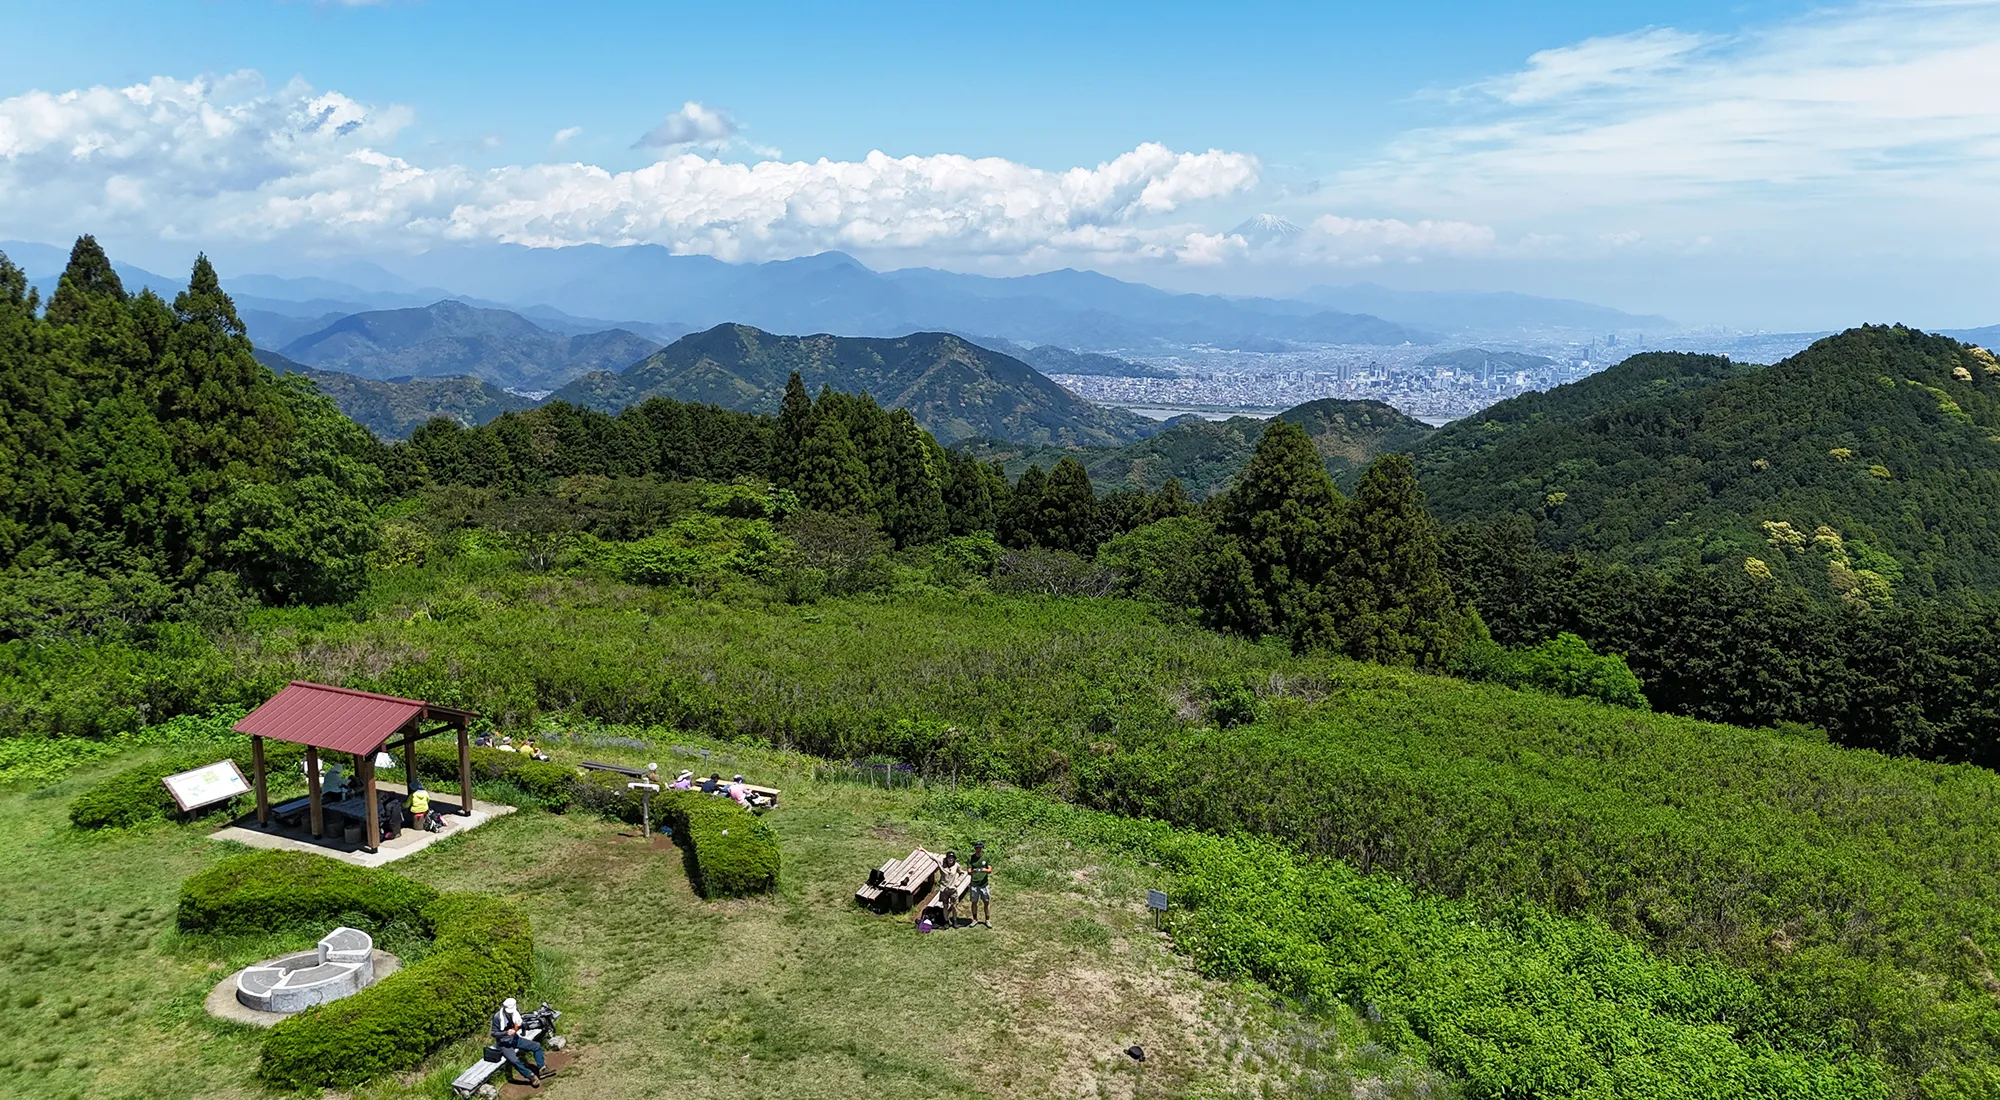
pixel 245 830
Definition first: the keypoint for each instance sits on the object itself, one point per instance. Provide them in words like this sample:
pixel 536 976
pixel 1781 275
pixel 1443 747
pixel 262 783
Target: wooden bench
pixel 901 883
pixel 477 1074
pixel 599 766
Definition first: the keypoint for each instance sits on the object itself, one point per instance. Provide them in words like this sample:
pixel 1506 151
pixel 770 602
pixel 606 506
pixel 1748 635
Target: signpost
pixel 207 785
pixel 1157 902
pixel 646 787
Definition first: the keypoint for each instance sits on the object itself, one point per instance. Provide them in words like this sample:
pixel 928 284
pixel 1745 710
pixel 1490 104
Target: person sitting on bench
pixel 507 1036
pixel 421 814
pixel 530 749
pixel 713 784
pixel 738 791
pixel 684 782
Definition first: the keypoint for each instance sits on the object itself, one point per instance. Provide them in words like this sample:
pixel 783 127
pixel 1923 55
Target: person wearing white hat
pixel 684 781
pixel 507 1036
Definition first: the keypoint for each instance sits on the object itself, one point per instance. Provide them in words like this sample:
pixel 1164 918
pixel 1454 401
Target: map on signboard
pixel 206 785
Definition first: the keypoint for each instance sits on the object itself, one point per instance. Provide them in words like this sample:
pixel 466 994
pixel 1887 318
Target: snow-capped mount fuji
pixel 1263 229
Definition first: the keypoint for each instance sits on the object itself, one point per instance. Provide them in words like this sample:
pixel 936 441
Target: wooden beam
pixel 464 770
pixel 410 761
pixel 371 837
pixel 314 798
pixel 263 788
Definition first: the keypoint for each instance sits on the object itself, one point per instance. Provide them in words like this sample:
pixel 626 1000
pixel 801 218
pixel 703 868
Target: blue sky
pixel 1760 165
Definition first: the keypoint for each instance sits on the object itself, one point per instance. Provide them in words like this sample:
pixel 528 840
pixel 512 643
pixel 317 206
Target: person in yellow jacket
pixel 420 807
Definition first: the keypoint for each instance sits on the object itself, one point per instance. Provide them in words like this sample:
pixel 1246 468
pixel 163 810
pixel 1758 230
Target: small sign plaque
pixel 207 785
pixel 1156 901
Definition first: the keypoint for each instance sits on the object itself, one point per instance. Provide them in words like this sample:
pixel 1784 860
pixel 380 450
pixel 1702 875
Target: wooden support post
pixel 464 770
pixel 314 798
pixel 410 758
pixel 263 788
pixel 371 837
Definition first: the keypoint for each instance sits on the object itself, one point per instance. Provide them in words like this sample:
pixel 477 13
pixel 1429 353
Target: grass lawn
pixel 798 995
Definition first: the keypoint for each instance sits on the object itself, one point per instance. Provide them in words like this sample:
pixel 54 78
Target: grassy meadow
pixel 798 995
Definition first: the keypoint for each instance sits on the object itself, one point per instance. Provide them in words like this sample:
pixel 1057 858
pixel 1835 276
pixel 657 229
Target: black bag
pixel 493 1054
pixel 875 877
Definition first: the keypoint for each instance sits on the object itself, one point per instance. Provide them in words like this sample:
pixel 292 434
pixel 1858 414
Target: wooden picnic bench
pixel 901 883
pixel 477 1074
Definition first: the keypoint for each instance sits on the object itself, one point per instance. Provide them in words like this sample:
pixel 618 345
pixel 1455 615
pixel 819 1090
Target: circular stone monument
pixel 344 963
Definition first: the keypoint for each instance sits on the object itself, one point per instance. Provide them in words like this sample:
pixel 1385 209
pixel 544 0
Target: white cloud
pixel 693 124
pixel 229 158
pixel 562 137
pixel 1883 114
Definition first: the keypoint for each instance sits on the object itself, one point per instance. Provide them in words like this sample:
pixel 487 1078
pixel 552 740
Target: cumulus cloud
pixel 693 124
pixel 230 157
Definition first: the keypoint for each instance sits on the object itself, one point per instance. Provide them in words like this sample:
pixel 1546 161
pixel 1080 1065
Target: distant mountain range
pixel 1479 359
pixel 1501 313
pixel 1050 359
pixel 449 339
pixel 955 388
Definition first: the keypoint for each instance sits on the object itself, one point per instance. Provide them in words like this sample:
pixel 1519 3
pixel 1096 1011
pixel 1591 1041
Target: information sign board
pixel 206 785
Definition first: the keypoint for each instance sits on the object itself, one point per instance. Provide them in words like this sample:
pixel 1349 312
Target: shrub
pixel 1565 665
pixel 137 794
pixel 482 948
pixel 265 890
pixel 730 852
pixel 548 782
pixel 733 854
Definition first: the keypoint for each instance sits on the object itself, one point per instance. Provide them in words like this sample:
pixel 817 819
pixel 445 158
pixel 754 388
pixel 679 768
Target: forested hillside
pixel 1205 455
pixel 955 389
pixel 1863 467
pixel 394 408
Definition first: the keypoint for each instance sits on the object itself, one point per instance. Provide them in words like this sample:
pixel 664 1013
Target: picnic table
pixel 901 883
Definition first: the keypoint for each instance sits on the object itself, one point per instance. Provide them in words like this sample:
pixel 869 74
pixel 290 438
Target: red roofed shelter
pixel 359 723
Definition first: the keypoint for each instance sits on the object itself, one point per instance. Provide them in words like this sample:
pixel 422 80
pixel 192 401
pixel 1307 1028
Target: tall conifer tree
pixel 1391 603
pixel 913 512
pixel 1067 518
pixel 1277 529
pixel 832 476
pixel 1020 519
pixel 794 421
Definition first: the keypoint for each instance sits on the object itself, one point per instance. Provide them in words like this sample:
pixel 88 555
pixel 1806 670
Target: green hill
pixel 955 389
pixel 450 338
pixel 395 408
pixel 1867 464
pixel 1206 454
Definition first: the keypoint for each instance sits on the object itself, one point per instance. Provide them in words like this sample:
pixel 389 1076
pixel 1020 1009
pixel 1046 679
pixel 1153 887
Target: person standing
pixel 980 867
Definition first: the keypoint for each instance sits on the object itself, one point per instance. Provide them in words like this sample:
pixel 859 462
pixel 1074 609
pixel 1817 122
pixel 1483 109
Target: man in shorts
pixel 981 890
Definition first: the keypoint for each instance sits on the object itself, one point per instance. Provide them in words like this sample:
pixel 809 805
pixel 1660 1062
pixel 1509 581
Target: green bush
pixel 482 950
pixel 548 782
pixel 137 794
pixel 1565 665
pixel 256 891
pixel 734 853
pixel 730 852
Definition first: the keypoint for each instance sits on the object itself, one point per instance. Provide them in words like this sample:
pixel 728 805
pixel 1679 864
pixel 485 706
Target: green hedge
pixel 730 851
pixel 546 780
pixel 734 853
pixel 482 947
pixel 136 794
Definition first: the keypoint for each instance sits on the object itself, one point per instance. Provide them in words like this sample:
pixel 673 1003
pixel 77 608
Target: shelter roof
pixel 337 719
